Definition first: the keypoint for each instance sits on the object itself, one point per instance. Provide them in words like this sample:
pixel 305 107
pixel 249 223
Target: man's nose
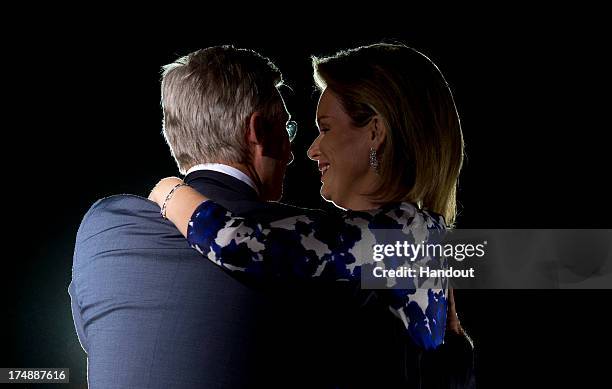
pixel 313 150
pixel 291 158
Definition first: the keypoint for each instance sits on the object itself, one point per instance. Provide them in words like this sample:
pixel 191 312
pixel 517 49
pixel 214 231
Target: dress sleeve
pixel 326 247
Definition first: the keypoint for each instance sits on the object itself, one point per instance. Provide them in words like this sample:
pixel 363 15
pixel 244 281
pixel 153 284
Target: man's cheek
pixel 275 151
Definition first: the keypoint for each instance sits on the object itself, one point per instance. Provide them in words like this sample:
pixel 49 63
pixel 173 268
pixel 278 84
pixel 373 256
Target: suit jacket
pixel 152 313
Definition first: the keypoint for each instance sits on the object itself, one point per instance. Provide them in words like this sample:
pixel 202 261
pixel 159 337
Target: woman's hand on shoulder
pixel 163 188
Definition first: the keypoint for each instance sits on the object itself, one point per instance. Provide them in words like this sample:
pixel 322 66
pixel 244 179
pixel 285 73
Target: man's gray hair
pixel 208 97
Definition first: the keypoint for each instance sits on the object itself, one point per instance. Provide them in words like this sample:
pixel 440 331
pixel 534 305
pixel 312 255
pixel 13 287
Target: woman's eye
pixel 323 130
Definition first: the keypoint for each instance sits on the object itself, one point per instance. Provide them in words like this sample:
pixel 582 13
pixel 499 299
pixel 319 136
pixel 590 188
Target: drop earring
pixel 374 160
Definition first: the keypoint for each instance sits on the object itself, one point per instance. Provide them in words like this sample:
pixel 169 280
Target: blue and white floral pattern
pixel 326 248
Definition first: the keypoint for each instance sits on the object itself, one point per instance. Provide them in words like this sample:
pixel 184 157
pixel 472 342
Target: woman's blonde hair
pixel 422 155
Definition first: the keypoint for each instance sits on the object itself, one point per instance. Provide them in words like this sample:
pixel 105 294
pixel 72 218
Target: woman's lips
pixel 323 168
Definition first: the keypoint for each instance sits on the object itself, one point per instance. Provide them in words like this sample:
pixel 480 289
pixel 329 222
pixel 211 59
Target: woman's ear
pixel 378 132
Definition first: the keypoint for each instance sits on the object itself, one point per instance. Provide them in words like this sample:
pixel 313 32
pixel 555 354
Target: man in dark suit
pixel 151 313
pixel 148 310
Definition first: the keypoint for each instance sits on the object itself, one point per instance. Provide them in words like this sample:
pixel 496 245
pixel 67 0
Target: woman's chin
pixel 325 193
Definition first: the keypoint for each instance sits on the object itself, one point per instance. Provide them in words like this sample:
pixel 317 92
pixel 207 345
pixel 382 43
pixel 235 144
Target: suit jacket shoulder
pixel 113 222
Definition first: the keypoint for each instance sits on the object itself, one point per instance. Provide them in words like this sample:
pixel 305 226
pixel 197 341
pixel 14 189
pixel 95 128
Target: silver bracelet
pixel 168 197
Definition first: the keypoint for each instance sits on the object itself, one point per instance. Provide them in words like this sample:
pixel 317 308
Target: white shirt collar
pixel 229 170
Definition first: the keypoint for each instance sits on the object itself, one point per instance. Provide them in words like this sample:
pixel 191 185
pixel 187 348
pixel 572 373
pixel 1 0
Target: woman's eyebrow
pixel 320 118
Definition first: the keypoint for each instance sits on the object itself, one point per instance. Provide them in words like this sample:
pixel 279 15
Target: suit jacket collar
pixel 217 185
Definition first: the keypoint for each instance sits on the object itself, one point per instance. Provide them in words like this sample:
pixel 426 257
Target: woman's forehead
pixel 329 106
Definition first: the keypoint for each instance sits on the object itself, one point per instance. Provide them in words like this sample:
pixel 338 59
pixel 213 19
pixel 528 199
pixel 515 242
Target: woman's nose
pixel 313 150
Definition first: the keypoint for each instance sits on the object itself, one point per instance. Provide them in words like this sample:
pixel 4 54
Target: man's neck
pixel 248 171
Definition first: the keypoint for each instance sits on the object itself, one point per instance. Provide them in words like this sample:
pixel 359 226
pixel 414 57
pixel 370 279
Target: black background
pixel 82 120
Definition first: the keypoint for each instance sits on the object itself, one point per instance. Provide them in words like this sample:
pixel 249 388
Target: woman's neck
pixel 357 198
pixel 357 203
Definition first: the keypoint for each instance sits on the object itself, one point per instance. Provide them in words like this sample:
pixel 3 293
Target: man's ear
pixel 378 132
pixel 255 128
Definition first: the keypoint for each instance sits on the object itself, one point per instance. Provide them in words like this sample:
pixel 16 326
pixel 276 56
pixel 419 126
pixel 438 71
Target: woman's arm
pixel 323 246
pixel 305 247
pixel 182 204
